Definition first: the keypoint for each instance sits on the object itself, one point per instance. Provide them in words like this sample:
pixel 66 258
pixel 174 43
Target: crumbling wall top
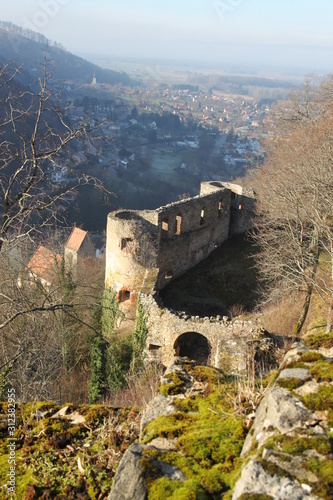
pixel 136 215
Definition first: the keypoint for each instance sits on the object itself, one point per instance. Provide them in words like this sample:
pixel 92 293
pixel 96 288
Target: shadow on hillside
pixel 224 284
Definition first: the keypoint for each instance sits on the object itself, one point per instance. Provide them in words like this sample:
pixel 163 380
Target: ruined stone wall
pixel 231 342
pixel 189 231
pixel 147 249
pixel 131 249
pixel 166 242
pixel 242 205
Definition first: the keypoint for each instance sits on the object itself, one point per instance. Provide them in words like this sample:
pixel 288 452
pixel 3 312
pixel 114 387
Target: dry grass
pixel 141 388
pixel 282 317
pixel 246 398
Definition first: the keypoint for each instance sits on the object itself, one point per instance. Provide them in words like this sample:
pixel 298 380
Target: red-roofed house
pixel 78 245
pixel 44 266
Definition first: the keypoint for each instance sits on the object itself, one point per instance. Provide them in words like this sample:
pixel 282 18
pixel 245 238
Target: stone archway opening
pixel 194 346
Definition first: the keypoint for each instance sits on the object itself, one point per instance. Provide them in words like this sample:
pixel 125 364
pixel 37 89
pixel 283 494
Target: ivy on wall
pixel 139 335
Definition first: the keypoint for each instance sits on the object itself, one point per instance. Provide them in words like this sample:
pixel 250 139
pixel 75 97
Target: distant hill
pixel 27 47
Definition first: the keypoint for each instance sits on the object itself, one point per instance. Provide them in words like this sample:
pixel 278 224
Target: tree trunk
pixel 306 305
pixel 304 312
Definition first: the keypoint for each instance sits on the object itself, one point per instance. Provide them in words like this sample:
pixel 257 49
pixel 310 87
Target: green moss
pixel 170 426
pixel 174 387
pixel 297 446
pixel 213 479
pixel 209 446
pixel 321 400
pixel 290 383
pixel 187 405
pixel 50 426
pixel 297 364
pixel 324 471
pixel 208 374
pixel 322 371
pixel 92 492
pixel 273 469
pixel 311 357
pixel 50 445
pixel 214 441
pixel 164 489
pixel 316 341
pixel 209 441
pixel 94 414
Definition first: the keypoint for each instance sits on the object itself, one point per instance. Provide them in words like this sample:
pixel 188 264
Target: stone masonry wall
pixel 231 342
pixel 242 205
pixel 131 249
pixel 147 249
pixel 169 240
pixel 195 227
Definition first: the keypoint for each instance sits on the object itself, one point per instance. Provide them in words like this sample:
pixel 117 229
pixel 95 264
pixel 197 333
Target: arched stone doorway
pixel 194 346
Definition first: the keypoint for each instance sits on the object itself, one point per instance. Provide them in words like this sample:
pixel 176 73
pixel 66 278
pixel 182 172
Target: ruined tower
pixel 147 249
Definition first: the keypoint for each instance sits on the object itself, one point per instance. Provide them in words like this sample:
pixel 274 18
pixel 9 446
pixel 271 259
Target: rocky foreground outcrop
pixel 286 454
pixel 288 450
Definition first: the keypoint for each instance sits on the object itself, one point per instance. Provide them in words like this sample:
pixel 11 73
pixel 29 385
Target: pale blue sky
pixel 294 32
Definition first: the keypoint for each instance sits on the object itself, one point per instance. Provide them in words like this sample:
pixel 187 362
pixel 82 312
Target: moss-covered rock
pixel 316 341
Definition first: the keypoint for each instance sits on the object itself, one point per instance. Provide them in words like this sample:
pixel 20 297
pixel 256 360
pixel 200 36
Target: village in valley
pixel 151 143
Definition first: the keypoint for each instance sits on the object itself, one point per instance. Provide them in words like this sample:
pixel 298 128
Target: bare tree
pixel 43 328
pixel 45 344
pixel 33 133
pixel 305 106
pixel 295 199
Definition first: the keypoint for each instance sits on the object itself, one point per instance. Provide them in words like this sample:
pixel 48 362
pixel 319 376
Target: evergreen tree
pixel 98 359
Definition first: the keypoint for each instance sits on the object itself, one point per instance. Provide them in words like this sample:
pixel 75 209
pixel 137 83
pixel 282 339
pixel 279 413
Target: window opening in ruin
pixel 220 209
pixel 194 346
pixel 169 275
pixel 125 295
pixel 154 347
pixel 240 207
pixel 165 228
pixel 124 243
pixel 179 219
pixel 202 217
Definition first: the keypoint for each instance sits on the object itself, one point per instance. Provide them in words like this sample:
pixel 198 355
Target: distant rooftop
pixel 45 264
pixel 76 238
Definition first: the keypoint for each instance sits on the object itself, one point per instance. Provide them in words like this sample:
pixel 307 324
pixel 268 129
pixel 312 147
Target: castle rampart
pixel 147 249
pixel 230 345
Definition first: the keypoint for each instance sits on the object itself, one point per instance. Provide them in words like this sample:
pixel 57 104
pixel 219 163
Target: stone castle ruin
pixel 147 249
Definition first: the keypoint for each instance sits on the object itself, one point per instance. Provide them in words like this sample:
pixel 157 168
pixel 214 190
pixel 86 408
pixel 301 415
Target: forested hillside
pixel 28 48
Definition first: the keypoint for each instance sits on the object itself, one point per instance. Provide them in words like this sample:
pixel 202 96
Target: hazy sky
pixel 294 33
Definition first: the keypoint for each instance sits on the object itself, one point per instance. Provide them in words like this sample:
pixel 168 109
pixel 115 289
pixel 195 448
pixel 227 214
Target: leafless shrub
pixel 236 310
pixel 141 388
